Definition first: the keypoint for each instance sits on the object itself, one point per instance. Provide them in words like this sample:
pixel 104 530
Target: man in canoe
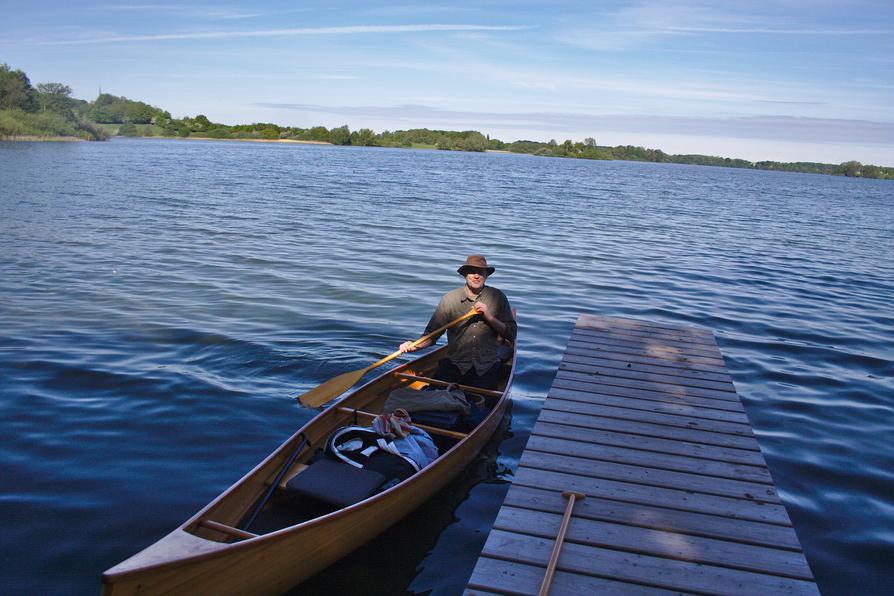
pixel 475 346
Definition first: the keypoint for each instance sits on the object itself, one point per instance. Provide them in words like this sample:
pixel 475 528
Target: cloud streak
pixel 291 32
pixel 817 32
pixel 184 10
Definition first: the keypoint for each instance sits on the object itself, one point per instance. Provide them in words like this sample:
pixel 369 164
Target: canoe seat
pixel 335 483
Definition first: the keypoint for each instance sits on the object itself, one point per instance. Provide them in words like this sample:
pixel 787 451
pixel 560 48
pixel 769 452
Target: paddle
pixel 337 385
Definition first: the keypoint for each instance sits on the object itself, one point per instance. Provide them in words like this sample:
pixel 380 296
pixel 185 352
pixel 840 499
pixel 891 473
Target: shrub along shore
pixel 48 112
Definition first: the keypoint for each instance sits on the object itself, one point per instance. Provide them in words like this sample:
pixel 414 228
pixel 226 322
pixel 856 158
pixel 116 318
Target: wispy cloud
pixel 292 32
pixel 646 23
pixel 218 13
pixel 816 32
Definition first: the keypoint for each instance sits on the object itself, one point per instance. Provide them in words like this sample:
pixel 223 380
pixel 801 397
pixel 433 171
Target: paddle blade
pixel 331 389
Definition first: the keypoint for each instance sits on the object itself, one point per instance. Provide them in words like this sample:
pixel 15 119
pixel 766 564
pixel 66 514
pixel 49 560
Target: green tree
pixel 340 135
pixel 200 123
pixel 128 129
pixel 473 141
pixel 363 137
pixel 318 133
pixel 851 169
pixel 138 112
pixel 15 90
pixel 54 97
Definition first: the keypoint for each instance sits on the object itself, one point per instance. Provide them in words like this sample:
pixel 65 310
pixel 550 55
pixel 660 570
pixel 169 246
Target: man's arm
pixel 433 324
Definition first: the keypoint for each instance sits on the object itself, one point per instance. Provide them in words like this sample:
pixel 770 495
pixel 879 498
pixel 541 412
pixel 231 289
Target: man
pixel 474 346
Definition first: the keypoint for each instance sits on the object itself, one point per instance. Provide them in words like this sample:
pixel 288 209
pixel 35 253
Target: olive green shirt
pixel 473 342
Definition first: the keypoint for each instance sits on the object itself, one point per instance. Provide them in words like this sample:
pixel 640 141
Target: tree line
pixel 48 110
pixel 44 110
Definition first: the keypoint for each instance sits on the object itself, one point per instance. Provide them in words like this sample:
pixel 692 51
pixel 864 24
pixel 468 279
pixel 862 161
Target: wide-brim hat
pixel 476 262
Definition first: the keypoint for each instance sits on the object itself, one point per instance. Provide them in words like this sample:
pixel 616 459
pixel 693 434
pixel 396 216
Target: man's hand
pixel 495 323
pixel 484 310
pixel 408 346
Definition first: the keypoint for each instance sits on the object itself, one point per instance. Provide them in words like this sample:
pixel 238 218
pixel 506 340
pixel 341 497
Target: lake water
pixel 163 302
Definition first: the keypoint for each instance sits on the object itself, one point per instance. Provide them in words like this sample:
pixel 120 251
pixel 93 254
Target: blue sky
pixel 789 80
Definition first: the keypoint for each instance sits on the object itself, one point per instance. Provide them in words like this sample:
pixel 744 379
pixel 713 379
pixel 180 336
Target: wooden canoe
pixel 211 553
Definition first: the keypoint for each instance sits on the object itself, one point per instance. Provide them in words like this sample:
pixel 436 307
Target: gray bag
pixel 439 400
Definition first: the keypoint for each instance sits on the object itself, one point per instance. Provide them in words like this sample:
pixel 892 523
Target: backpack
pixel 356 445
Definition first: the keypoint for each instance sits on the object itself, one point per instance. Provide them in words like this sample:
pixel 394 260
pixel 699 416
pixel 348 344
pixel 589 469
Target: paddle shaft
pixel 338 385
pixel 282 472
pixel 424 338
pixel 572 496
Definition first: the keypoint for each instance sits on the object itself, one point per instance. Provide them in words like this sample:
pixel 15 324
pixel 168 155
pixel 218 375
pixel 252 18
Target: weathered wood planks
pixel 644 420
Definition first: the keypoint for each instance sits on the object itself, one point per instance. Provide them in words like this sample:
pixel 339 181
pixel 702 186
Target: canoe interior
pixel 285 510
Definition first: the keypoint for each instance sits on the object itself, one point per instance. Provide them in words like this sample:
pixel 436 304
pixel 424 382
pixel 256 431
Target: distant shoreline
pixel 718 162
pixel 39 139
pixel 33 138
pixel 192 138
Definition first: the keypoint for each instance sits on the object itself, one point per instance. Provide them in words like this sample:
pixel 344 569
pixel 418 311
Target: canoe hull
pixel 275 562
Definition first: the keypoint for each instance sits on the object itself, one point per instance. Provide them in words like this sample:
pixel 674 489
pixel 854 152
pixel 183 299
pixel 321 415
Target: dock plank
pixel 632 393
pixel 579 344
pixel 618 326
pixel 664 461
pixel 644 420
pixel 647 347
pixel 520 579
pixel 628 364
pixel 695 483
pixel 677 407
pixel 660 543
pixel 663 418
pixel 658 572
pixel 599 436
pixel 672 388
pixel 629 424
pixel 659 496
pixel 658 518
pixel 586 320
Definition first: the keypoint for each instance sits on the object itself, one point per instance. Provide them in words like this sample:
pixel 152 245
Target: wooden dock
pixel 643 420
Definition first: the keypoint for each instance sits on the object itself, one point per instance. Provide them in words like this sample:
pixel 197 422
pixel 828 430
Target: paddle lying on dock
pixel 335 386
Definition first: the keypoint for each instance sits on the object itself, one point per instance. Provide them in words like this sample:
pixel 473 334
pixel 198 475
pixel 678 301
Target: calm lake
pixel 163 302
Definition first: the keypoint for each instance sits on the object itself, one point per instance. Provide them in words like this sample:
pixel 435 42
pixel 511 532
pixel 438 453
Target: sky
pixel 780 80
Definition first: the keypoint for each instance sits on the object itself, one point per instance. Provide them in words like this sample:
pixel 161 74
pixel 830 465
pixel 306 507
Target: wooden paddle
pixel 335 386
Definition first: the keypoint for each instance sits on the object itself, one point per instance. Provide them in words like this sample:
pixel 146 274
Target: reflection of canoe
pixel 291 538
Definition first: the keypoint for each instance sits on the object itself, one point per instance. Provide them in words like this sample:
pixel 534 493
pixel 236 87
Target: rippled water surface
pixel 162 302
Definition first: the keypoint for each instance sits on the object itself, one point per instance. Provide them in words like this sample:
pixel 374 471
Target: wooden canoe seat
pixel 335 483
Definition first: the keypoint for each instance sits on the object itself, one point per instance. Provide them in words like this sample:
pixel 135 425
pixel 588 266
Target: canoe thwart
pixel 432 430
pixel 219 527
pixel 440 383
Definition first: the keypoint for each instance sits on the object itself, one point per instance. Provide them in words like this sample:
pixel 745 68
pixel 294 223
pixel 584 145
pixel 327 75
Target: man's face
pixel 475 278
